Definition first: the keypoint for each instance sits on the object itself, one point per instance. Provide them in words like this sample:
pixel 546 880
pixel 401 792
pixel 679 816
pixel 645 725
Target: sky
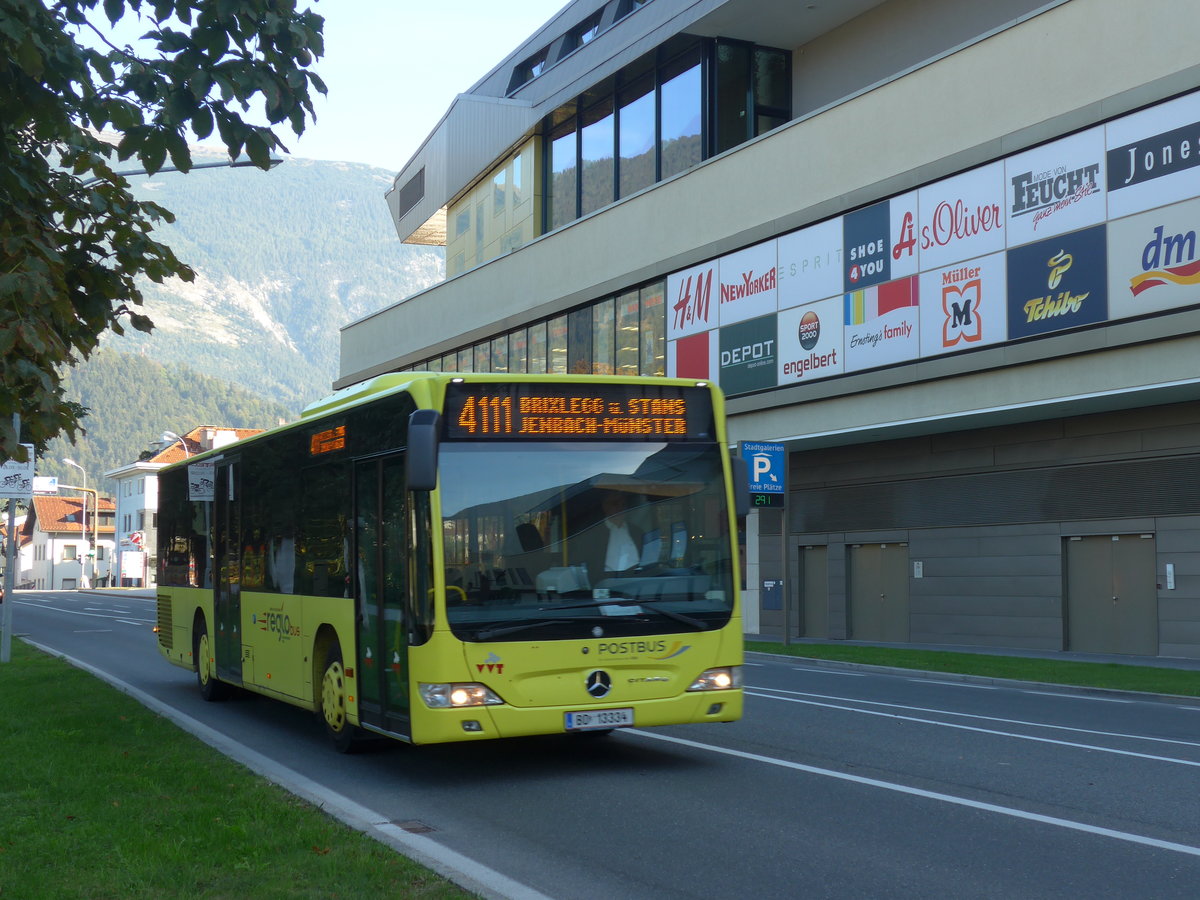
pixel 394 66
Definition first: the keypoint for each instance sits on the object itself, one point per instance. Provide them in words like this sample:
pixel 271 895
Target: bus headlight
pixel 721 679
pixel 457 696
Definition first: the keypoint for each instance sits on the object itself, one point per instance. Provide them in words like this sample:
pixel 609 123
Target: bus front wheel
pixel 333 701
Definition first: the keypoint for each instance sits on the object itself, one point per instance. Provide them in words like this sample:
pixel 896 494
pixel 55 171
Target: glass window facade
pixel 598 165
pixel 562 186
pixel 659 116
pixel 680 135
pixel 621 335
pixel 637 136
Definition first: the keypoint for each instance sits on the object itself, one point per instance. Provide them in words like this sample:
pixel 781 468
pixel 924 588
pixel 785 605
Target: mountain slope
pixel 283 260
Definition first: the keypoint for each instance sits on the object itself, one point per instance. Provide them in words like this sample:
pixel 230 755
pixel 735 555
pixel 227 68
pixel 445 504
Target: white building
pixel 58 554
pixel 944 251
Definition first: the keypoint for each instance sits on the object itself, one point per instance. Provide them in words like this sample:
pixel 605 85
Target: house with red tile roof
pixel 24 550
pixel 63 556
pixel 136 514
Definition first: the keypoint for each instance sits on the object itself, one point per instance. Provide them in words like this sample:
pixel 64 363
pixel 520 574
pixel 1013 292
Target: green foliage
pixel 75 244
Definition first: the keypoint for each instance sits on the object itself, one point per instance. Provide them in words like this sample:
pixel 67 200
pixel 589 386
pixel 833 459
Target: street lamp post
pixel 86 540
pixel 170 437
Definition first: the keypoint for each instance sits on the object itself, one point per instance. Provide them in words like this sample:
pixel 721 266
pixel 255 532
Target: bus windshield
pixel 584 539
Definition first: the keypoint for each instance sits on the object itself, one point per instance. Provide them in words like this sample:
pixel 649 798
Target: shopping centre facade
pixel 944 252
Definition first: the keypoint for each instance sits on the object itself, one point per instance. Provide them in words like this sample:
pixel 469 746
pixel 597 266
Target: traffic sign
pixel 767 464
pixel 16 478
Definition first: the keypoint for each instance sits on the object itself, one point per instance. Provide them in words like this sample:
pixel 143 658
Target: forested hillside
pixel 283 260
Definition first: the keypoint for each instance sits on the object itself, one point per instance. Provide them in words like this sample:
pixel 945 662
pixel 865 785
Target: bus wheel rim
pixel 333 692
pixel 202 662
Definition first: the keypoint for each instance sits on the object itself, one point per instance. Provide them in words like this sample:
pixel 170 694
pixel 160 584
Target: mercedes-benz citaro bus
pixel 438 557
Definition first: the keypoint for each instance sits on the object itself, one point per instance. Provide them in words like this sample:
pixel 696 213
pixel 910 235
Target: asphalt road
pixel 837 783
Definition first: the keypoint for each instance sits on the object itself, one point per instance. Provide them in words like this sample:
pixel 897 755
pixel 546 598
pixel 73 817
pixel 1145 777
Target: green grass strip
pixel 1111 676
pixel 102 798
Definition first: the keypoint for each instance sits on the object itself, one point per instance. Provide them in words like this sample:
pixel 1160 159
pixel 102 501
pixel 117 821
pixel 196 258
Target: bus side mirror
pixel 740 469
pixel 422 465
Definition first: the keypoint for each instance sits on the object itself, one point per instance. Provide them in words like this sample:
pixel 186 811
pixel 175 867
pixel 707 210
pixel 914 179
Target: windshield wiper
pixel 632 601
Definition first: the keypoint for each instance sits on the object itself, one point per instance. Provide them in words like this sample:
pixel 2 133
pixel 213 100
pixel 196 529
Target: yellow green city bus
pixel 437 557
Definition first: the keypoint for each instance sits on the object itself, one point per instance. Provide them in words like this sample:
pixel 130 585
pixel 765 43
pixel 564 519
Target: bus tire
pixel 211 688
pixel 333 701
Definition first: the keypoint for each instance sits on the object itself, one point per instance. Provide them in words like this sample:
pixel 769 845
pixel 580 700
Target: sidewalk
pixel 1162 662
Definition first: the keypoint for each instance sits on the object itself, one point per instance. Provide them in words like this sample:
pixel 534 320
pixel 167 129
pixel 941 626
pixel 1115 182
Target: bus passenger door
pixel 381 554
pixel 227 602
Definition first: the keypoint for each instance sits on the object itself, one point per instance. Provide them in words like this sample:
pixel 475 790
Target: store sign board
pixel 749 281
pixel 749 353
pixel 811 341
pixel 693 356
pixel 1154 261
pixel 1058 283
pixel 1154 157
pixel 962 217
pixel 692 300
pixel 1056 188
pixel 866 247
pixel 883 324
pixel 964 306
pixel 810 264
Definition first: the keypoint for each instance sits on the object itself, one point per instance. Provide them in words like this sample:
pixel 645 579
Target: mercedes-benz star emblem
pixel 599 683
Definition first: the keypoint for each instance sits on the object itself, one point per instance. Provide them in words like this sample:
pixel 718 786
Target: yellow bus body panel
pixel 541 681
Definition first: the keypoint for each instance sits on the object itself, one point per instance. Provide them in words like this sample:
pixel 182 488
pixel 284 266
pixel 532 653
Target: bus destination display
pixel 590 412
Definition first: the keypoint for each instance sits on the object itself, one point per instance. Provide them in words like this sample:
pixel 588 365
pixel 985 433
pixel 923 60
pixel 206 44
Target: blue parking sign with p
pixel 766 466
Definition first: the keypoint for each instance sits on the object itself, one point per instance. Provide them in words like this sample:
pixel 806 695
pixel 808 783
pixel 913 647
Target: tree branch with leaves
pixel 74 242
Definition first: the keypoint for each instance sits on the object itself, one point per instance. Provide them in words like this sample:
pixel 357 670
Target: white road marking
pixel 1010 734
pixel 963 715
pixel 930 795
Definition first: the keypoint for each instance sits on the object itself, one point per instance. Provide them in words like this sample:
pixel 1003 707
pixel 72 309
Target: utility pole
pixel 9 565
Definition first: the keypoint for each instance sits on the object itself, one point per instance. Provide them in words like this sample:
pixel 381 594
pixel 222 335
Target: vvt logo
pixel 1167 259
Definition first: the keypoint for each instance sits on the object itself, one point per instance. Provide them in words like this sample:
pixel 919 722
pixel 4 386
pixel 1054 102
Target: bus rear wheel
pixel 333 702
pixel 211 688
